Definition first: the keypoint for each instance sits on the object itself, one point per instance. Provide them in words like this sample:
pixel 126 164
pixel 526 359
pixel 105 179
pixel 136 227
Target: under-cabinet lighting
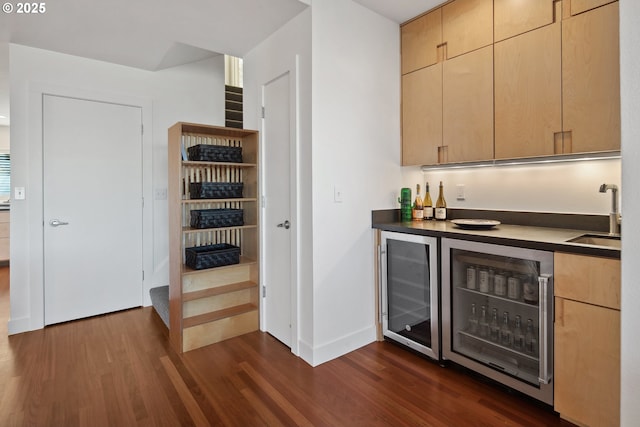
pixel 527 161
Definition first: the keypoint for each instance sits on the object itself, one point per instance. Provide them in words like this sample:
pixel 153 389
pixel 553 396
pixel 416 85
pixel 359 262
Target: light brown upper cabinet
pixel 420 39
pixel 528 104
pixel 591 80
pixel 422 115
pixel 467 25
pixel 467 129
pixel 513 17
pixel 574 7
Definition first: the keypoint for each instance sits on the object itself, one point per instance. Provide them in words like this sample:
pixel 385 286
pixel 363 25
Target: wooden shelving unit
pixel 211 305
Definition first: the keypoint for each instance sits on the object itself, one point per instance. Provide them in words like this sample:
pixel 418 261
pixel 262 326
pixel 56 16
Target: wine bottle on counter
pixel 418 212
pixel 441 205
pixel 427 203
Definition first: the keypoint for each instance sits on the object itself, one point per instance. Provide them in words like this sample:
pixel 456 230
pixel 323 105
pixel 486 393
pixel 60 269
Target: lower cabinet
pixel 587 340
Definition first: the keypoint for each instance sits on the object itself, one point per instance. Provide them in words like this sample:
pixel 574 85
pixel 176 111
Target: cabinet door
pixel 513 17
pixel 467 25
pixel 579 6
pixel 590 279
pixel 587 363
pixel 420 39
pixel 591 80
pixel 467 128
pixel 422 116
pixel 528 93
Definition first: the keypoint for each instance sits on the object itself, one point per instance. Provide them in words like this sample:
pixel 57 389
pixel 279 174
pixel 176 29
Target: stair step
pixel 218 315
pixel 234 89
pixel 219 290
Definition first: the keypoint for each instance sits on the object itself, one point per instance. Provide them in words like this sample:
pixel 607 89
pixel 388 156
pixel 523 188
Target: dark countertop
pixel 520 235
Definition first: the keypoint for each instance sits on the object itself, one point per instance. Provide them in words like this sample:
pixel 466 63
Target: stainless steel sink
pixel 597 240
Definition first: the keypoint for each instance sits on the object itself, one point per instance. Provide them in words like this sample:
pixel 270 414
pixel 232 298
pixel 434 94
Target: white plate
pixel 475 223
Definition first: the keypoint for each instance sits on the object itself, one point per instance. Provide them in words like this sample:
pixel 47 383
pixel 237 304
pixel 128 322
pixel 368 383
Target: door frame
pixel 35 191
pixel 294 172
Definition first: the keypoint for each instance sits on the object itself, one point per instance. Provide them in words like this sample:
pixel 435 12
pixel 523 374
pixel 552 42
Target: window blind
pixel 5 174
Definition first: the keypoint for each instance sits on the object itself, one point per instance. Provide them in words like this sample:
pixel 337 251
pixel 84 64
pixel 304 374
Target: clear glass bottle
pixel 427 203
pixel 506 336
pixel 494 327
pixel 483 280
pixel 530 340
pixel 500 284
pixel 483 323
pixel 472 276
pixel 441 205
pixel 473 321
pixel 513 287
pixel 418 209
pixel 518 336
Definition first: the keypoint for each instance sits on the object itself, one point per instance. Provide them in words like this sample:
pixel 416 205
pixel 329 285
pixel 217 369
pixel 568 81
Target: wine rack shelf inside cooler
pixel 504 359
pixel 519 302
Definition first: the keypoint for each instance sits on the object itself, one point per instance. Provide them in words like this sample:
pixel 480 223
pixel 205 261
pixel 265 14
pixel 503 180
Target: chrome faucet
pixel 614 217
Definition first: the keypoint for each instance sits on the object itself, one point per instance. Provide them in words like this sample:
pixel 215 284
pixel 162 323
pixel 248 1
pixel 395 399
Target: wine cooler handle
pixel 544 343
pixel 381 282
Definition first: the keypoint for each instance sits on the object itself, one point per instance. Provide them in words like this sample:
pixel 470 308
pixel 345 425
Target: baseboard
pixel 18 326
pixel 334 349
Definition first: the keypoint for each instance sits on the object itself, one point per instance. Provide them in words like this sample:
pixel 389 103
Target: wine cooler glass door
pixel 497 304
pixel 410 291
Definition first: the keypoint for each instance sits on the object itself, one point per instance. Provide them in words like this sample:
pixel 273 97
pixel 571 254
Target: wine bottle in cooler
pixel 506 336
pixel 427 203
pixel 473 321
pixel 441 205
pixel 494 327
pixel 418 212
pixel 483 323
pixel 518 336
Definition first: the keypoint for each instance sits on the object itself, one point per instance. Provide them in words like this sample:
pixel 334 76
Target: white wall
pixel 289 50
pixel 4 139
pixel 630 94
pixel 356 122
pixel 193 92
pixel 565 187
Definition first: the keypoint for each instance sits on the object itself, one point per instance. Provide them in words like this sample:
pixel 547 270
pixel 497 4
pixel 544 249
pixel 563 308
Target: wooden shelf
pixel 244 199
pixel 201 230
pixel 243 261
pixel 217 315
pixel 233 287
pixel 212 304
pixel 234 164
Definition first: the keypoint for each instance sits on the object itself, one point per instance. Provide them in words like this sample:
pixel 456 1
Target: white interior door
pixel 92 175
pixel 278 225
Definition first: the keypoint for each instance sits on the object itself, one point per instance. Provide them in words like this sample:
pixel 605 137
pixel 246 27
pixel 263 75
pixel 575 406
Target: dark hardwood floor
pixel 118 370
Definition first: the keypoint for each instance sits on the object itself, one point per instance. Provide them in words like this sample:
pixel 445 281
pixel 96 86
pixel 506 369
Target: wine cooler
pixel 497 313
pixel 409 291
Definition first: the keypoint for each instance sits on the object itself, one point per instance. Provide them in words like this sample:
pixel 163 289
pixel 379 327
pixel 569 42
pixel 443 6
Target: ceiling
pixel 157 34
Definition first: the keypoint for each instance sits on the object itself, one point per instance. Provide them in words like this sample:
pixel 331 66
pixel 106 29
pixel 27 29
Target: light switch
pixel 19 193
pixel 460 192
pixel 337 195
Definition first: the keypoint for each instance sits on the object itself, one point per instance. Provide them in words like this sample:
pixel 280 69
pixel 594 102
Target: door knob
pixel 57 222
pixel 285 224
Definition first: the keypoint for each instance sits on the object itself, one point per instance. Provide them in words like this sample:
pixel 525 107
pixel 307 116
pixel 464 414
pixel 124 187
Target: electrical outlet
pixel 460 192
pixel 160 194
